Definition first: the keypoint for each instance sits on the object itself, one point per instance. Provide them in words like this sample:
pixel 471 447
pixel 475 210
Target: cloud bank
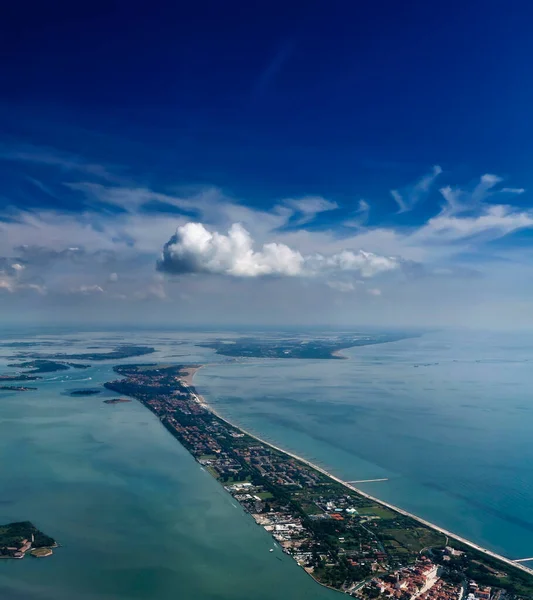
pixel 97 261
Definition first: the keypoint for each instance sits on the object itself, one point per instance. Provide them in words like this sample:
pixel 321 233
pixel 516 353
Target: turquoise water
pixel 447 418
pixel 135 515
pixel 138 518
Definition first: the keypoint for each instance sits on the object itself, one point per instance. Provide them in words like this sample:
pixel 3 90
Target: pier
pixel 521 560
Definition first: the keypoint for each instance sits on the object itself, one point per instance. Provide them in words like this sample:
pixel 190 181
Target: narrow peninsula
pixel 299 346
pixel 119 352
pixel 344 538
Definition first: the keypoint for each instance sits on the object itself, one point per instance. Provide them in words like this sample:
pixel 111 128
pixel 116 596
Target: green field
pixel 265 495
pixel 417 538
pixel 378 511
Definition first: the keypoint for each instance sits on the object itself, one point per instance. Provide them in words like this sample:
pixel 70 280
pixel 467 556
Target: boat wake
pixel 65 379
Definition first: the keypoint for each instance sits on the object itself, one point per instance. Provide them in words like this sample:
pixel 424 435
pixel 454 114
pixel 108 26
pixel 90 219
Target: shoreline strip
pixel 201 400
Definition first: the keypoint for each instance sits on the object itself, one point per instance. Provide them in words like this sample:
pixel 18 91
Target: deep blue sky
pixel 270 99
pixel 267 162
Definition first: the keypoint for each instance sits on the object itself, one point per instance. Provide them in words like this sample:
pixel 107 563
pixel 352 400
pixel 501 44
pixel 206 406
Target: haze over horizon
pixel 352 165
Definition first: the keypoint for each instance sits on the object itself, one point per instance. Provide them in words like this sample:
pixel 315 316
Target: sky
pixel 250 163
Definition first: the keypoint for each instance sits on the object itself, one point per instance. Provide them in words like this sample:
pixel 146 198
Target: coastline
pixel 189 381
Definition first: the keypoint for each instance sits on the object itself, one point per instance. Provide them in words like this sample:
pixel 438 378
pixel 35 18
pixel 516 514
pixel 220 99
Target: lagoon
pixel 135 515
pixel 446 418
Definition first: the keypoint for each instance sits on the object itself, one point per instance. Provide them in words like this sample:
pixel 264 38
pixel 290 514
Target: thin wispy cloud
pixel 410 196
pixel 52 158
pixel 273 68
pixel 459 200
pixel 308 207
pixel 359 216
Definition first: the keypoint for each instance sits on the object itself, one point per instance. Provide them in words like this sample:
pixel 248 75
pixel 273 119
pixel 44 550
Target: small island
pixel 19 377
pixel 87 392
pixel 16 388
pixel 40 366
pixel 16 539
pixel 116 400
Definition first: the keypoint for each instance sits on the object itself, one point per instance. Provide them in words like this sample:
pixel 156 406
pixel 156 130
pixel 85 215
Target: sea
pixel 446 418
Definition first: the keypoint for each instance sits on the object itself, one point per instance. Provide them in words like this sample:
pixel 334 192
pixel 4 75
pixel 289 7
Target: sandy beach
pixel 189 379
pixel 188 375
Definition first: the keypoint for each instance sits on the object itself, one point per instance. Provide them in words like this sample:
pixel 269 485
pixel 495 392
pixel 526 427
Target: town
pixel 343 539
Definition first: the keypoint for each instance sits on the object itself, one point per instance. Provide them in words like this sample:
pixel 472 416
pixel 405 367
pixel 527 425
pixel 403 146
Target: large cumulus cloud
pixel 194 249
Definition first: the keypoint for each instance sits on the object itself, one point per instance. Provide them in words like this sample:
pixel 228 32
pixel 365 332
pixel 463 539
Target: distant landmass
pixel 40 366
pixel 18 377
pixel 126 351
pixel 16 388
pixel 43 365
pixel 323 348
pixel 26 344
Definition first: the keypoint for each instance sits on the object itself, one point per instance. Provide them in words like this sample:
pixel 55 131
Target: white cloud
pixel 494 221
pixel 398 198
pixel 7 283
pixel 88 289
pixel 11 284
pixel 309 207
pixel 128 198
pixel 453 200
pixel 52 158
pixel 509 190
pixel 486 183
pixel 104 256
pixel 414 193
pixel 153 291
pixel 460 201
pixel 367 264
pixel 466 215
pixel 363 206
pixel 13 278
pixel 194 249
pixel 360 215
pixel 341 286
